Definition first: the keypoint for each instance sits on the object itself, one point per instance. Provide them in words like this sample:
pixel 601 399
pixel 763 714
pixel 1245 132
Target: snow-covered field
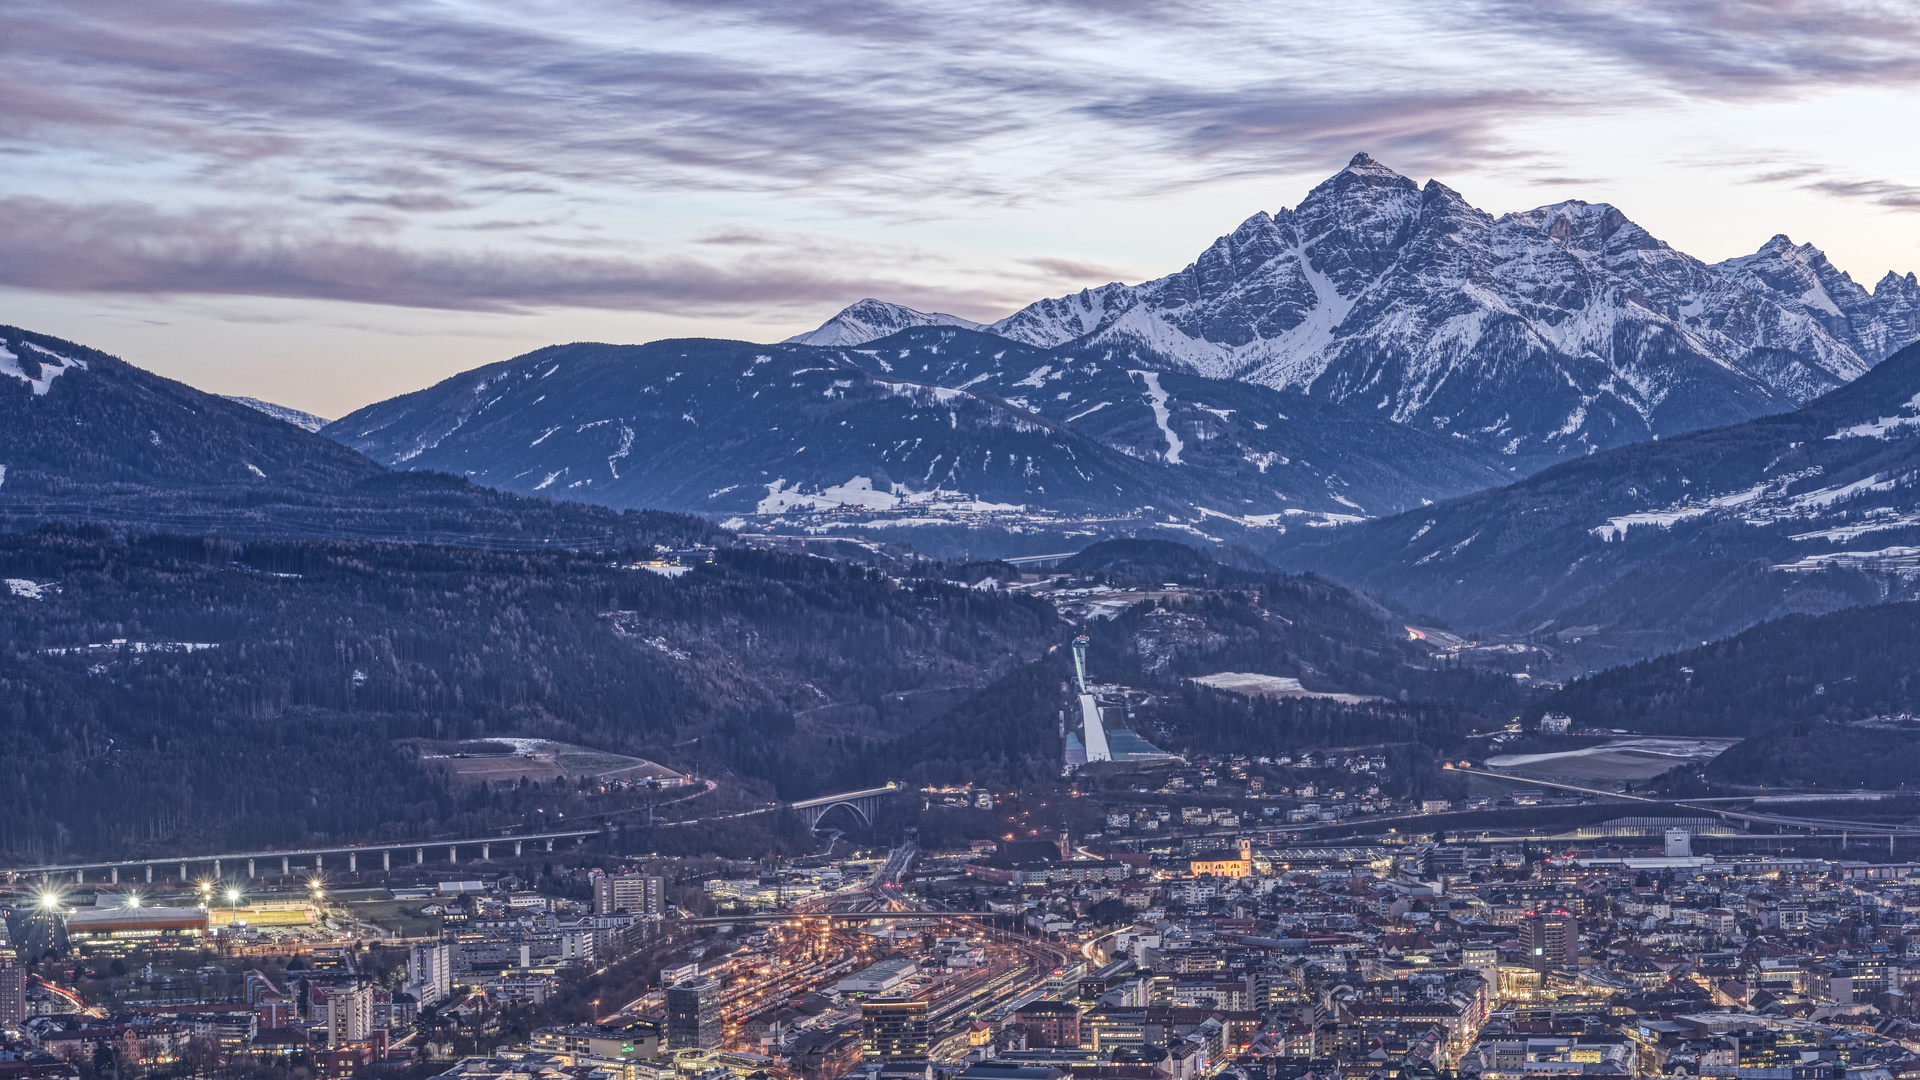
pixel 1241 682
pixel 1635 758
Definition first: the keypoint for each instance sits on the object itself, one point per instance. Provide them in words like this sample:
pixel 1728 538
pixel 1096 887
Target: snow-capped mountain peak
pixel 1363 164
pixel 1540 334
pixel 869 320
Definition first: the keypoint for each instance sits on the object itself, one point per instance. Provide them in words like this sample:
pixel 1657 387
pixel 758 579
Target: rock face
pixel 1540 335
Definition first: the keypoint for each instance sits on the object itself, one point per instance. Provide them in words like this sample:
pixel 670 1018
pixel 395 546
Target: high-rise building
pixel 894 1029
pixel 635 894
pixel 1551 940
pixel 430 973
pixel 693 1015
pixel 13 994
pixel 349 1015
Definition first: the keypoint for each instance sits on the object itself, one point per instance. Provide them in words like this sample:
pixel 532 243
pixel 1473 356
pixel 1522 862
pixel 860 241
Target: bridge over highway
pixel 862 803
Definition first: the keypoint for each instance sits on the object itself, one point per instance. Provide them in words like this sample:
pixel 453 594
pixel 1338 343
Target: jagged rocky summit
pixel 1539 335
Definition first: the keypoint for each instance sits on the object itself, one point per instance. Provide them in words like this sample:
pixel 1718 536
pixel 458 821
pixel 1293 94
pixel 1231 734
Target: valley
pixel 932 541
pixel 823 721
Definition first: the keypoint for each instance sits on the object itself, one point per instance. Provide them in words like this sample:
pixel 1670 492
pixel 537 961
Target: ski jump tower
pixel 1092 733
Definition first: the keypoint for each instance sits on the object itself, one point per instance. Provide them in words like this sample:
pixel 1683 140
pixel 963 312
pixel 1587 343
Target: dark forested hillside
pixel 1224 619
pixel 1823 701
pixel 85 436
pixel 271 693
pixel 322 655
pixel 1842 666
pixel 1661 545
pixel 1285 625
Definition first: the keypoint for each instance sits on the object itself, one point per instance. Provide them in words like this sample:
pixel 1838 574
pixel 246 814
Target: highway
pixel 1836 825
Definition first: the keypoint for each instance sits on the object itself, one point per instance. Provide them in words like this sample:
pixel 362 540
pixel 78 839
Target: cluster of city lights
pixel 207 888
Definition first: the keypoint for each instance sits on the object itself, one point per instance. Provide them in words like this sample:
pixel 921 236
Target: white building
pixel 349 1015
pixel 879 978
pixel 635 894
pixel 430 973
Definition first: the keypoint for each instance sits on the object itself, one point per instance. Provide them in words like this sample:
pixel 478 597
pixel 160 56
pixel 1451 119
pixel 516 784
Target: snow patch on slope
pixel 304 420
pixel 860 493
pixel 1158 399
pixel 1617 526
pixel 28 590
pixel 10 365
pixel 1879 429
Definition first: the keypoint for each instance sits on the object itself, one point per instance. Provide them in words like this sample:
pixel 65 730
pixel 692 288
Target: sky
pixel 324 203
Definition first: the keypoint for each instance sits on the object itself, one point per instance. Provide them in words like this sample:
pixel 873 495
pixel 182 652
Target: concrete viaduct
pixel 861 803
pixel 307 858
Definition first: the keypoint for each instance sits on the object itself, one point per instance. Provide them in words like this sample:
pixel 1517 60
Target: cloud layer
pixel 513 154
pixel 130 248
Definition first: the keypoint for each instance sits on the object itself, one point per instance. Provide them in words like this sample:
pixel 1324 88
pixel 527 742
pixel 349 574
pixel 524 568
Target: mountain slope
pixel 1541 335
pixel 1841 666
pixel 326 664
pixel 929 428
pixel 305 421
pixel 1666 543
pixel 86 436
pixel 1258 451
pixel 1820 700
pixel 313 660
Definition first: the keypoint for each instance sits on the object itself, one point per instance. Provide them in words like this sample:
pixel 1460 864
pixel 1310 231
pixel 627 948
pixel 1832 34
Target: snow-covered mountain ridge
pixel 1541 335
pixel 967 439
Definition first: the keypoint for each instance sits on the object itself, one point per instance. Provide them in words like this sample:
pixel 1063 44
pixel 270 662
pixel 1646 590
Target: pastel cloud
pixel 513 154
